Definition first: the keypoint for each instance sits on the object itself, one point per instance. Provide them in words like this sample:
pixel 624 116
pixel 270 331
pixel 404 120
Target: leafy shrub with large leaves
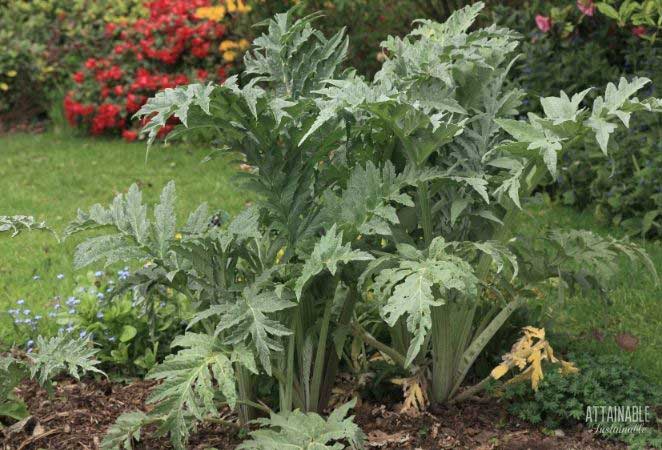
pixel 399 190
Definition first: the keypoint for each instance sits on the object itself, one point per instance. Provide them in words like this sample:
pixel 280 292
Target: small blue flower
pixel 109 289
pixel 98 273
pixel 60 276
pixel 30 343
pixel 100 296
pixel 51 314
pixel 82 334
pixel 60 330
pixel 36 277
pixel 56 306
pixel 100 315
pixel 162 304
pixel 37 317
pixel 69 329
pixel 26 312
pixel 28 321
pixel 20 301
pixel 112 339
pixel 72 311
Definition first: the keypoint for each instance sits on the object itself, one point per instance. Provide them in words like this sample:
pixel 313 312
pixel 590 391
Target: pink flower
pixel 639 31
pixel 544 23
pixel 586 7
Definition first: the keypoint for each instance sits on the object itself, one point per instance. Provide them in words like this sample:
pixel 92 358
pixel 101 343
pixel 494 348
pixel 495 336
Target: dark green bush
pixel 601 381
pixel 43 41
pixel 583 52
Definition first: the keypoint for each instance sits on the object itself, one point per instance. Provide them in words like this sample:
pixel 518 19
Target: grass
pixel 50 176
pixel 590 323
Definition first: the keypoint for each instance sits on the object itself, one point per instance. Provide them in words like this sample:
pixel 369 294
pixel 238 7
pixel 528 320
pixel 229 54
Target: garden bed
pixel 78 414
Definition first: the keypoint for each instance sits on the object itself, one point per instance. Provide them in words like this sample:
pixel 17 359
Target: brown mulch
pixel 78 414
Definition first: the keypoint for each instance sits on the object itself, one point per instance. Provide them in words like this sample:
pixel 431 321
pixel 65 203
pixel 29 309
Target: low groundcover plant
pixel 398 192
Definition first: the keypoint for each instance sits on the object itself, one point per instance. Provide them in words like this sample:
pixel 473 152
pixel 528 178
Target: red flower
pixel 118 90
pixel 91 63
pixel 79 77
pixel 202 74
pixel 110 29
pixel 180 79
pixel 221 74
pixel 639 31
pixel 201 51
pixel 129 135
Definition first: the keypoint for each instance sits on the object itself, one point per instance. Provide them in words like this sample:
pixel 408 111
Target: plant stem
pixel 320 358
pixel 471 391
pixel 333 359
pixel 396 356
pixel 425 211
pixel 442 353
pixel 246 413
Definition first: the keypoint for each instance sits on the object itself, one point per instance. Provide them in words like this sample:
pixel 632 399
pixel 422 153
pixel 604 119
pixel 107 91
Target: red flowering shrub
pixel 180 42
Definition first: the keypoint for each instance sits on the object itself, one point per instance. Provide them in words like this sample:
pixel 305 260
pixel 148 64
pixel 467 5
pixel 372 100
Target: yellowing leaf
pixel 536 365
pixel 415 394
pixel 568 368
pixel 499 371
pixel 527 354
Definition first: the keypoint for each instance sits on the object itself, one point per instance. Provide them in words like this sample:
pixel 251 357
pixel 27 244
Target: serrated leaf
pixel 126 430
pixel 296 430
pixel 165 219
pixel 62 353
pixel 190 380
pixel 328 253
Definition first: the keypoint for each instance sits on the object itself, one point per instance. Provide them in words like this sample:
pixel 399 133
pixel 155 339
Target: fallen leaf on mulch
pixel 379 438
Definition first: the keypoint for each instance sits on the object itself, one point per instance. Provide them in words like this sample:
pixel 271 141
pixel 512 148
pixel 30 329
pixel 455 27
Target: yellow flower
pixel 229 56
pixel 237 6
pixel 11 73
pixel 178 236
pixel 244 44
pixel 4 86
pixel 210 12
pixel 242 7
pixel 227 45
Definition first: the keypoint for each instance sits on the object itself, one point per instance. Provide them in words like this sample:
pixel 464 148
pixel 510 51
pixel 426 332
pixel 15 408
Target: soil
pixel 77 415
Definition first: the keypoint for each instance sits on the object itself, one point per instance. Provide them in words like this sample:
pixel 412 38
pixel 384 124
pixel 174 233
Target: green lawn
pixel 50 176
pixel 634 300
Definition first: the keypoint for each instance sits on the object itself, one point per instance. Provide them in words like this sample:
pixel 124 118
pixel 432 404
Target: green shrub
pixel 131 329
pixel 601 381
